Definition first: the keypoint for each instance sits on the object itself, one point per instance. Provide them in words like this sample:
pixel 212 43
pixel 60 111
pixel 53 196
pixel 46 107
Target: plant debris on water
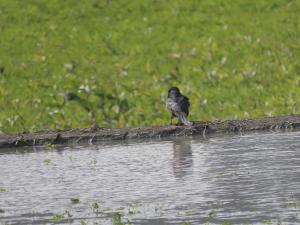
pixel 117 220
pixel 74 200
pixel 58 217
pixel 47 161
pixel 50 146
pixel 94 162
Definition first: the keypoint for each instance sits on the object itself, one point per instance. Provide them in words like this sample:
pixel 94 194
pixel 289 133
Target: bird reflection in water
pixel 182 160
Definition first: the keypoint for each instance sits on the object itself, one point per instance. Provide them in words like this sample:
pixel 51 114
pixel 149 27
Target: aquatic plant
pixel 212 213
pixel 82 222
pixel 294 203
pixel 185 223
pixel 50 146
pixel 94 162
pixel 68 214
pixel 117 220
pixel 58 217
pixel 47 161
pixel 95 205
pixel 74 200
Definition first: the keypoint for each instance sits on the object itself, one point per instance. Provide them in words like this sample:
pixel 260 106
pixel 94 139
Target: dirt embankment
pixel 99 134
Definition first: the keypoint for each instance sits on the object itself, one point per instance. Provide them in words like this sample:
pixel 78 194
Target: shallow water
pixel 239 179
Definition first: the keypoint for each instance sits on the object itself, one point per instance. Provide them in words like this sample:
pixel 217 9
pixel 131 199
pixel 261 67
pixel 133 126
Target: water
pixel 239 179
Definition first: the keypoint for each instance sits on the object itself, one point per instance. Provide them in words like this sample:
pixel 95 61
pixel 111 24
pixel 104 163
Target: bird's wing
pixel 184 104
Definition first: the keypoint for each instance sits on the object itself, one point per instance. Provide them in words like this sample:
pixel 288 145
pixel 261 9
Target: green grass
pixel 233 59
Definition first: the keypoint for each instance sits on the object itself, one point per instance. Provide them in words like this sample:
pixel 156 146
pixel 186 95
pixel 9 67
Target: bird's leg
pixel 181 120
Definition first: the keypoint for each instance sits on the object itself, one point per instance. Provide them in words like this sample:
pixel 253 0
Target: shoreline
pixel 90 135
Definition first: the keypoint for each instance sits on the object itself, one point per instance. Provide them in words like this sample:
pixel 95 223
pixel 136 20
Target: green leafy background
pixel 233 59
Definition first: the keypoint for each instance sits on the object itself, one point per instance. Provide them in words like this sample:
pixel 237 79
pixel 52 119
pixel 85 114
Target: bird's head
pixel 174 92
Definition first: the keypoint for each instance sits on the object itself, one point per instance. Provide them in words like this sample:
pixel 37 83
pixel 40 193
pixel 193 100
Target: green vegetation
pixel 294 203
pixel 185 223
pixel 66 64
pixel 93 161
pixel 74 200
pixel 211 214
pixel 47 161
pixel 120 217
pixel 82 222
pixel 58 217
pixel 95 207
pixel 50 146
pixel 117 220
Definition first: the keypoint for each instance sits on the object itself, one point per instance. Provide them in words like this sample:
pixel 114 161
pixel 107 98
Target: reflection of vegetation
pixel 119 70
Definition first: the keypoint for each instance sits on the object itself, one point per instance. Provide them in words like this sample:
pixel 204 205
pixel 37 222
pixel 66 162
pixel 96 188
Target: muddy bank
pixel 99 134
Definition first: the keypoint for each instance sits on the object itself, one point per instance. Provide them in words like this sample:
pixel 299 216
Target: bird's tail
pixel 184 121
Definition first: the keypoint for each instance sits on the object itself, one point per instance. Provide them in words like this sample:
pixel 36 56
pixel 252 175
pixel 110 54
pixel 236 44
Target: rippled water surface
pixel 238 179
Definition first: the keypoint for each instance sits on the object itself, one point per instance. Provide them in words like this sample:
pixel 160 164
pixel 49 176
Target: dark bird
pixel 178 105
